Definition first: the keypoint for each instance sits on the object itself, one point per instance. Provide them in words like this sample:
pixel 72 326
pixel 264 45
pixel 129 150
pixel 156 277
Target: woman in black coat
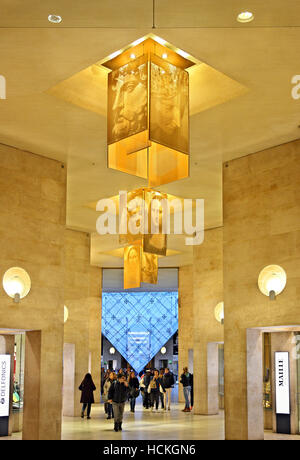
pixel 87 388
pixel 133 383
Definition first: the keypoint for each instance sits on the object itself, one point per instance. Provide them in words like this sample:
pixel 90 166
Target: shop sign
pixel 4 384
pixel 282 383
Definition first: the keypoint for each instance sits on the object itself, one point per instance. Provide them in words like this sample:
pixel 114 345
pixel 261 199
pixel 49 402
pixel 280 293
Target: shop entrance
pixel 272 380
pixel 24 349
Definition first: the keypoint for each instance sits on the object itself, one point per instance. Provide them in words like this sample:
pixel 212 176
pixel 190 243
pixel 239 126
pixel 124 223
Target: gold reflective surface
pixel 169 105
pixel 148 117
pixel 155 242
pixel 127 100
pixel 132 267
pixel 149 268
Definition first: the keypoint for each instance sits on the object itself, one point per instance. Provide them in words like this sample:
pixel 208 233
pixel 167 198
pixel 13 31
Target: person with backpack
pixel 133 384
pixel 186 381
pixel 117 396
pixel 168 381
pixel 87 388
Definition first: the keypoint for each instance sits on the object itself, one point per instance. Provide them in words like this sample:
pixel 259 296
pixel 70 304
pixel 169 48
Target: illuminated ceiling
pixel 35 56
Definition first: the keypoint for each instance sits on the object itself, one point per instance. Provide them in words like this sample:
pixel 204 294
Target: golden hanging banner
pixel 139 267
pixel 132 267
pixel 142 220
pixel 148 115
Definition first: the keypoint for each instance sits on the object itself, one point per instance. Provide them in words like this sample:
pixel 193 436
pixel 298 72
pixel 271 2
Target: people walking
pixel 162 395
pixel 168 381
pixel 87 388
pixel 105 377
pixel 107 384
pixel 186 381
pixel 133 384
pixel 144 384
pixel 117 396
pixel 155 387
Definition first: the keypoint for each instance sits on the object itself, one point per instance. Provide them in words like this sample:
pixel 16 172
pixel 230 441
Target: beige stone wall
pixel 83 300
pixel 200 290
pixel 32 220
pixel 185 320
pixel 261 227
pixel 208 292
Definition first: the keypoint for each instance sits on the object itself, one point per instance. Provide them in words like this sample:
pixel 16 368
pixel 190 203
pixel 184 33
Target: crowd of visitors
pixel 117 388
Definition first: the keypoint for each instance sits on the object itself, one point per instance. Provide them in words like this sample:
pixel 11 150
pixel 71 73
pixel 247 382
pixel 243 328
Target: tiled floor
pixel 144 425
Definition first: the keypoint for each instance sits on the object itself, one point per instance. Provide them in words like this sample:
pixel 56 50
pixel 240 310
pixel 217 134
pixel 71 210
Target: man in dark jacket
pixel 186 380
pixel 117 396
pixel 168 381
pixel 144 388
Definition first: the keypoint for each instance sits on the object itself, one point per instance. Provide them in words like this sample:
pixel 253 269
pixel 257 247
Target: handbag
pixel 135 393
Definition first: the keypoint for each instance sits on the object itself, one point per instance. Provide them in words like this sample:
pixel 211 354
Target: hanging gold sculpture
pixel 148 136
pixel 148 114
pixel 143 231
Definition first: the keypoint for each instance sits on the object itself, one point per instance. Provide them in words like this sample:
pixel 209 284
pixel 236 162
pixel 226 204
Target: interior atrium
pixel 150 220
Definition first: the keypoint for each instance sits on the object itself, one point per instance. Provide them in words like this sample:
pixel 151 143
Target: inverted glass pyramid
pixel 138 324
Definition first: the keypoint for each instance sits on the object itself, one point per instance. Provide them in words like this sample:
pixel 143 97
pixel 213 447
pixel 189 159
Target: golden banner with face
pixel 132 267
pixel 148 119
pixel 169 105
pixel 139 267
pixel 149 268
pixel 128 100
pixel 142 219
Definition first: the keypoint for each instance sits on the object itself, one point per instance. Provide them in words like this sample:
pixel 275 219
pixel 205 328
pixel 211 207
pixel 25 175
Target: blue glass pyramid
pixel 138 324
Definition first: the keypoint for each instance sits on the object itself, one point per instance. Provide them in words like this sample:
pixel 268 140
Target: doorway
pixel 263 383
pixel 24 348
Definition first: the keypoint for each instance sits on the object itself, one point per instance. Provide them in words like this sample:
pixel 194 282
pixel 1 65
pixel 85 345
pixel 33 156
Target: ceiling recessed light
pixel 164 55
pixel 132 56
pixel 54 18
pixel 245 16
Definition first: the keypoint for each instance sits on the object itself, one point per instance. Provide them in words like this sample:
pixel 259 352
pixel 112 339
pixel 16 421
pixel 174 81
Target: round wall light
pixel 163 350
pixel 272 281
pixel 245 16
pixel 66 314
pixel 219 312
pixel 112 350
pixel 54 18
pixel 16 283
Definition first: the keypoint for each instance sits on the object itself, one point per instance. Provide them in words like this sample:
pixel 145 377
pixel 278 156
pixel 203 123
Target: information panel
pixel 282 382
pixel 4 384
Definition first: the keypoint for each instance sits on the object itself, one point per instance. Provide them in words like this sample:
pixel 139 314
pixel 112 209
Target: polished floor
pixel 146 425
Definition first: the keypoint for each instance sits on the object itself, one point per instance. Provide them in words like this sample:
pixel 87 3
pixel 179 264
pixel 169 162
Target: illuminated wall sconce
pixel 112 350
pixel 66 314
pixel 219 312
pixel 16 283
pixel 163 350
pixel 272 281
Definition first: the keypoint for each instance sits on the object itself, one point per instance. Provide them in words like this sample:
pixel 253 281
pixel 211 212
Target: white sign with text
pixel 4 385
pixel 282 382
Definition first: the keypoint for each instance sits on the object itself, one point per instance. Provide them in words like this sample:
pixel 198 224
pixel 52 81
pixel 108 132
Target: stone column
pixel 207 331
pixel 254 385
